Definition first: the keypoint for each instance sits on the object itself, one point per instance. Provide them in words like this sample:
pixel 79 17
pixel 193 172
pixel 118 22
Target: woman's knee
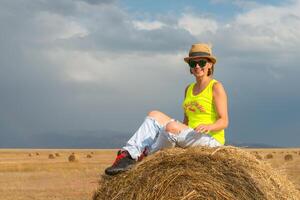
pixel 173 127
pixel 160 117
pixel 154 113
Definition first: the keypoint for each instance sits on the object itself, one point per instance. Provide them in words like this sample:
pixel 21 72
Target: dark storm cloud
pixel 36 97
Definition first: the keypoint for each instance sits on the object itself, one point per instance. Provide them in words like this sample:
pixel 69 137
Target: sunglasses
pixel 201 63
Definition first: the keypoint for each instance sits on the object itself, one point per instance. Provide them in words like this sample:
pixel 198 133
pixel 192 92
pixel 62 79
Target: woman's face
pixel 198 68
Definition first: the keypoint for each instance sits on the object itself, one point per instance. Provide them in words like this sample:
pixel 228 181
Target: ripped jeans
pixel 152 135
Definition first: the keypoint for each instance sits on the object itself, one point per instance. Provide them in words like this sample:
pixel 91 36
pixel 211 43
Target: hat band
pixel 194 54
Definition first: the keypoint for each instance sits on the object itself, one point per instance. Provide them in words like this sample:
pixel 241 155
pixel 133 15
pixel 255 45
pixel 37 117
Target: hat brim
pixel 212 58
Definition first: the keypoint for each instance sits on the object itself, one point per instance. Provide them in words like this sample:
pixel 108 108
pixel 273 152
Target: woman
pixel 205 116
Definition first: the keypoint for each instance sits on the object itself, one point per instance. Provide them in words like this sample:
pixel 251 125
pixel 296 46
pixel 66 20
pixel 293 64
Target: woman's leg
pixel 167 137
pixel 142 139
pixel 147 133
pixel 187 137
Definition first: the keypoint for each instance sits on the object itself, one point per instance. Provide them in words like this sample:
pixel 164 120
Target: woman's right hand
pixel 204 128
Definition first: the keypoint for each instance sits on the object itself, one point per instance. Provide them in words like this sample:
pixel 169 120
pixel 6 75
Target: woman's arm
pixel 185 118
pixel 220 100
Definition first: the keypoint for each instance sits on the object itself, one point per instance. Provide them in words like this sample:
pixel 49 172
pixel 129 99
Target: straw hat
pixel 200 50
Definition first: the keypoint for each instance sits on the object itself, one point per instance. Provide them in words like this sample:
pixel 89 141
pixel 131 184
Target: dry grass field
pixel 35 174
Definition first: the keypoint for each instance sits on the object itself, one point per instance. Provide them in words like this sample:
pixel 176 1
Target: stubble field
pixel 30 173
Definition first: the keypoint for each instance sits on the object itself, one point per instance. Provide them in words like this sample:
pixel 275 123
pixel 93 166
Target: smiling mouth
pixel 199 70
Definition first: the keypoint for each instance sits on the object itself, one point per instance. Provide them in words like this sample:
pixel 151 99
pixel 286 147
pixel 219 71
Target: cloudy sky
pixel 101 65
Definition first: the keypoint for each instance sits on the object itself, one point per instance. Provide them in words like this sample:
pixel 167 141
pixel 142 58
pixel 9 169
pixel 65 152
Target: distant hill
pixel 103 139
pixel 252 145
pixel 72 139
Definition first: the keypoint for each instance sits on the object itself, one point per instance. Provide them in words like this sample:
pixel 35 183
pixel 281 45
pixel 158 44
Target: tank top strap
pixel 211 85
pixel 189 91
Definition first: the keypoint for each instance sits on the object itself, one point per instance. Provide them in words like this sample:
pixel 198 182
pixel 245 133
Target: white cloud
pixel 197 25
pixel 278 25
pixel 146 25
pixel 52 26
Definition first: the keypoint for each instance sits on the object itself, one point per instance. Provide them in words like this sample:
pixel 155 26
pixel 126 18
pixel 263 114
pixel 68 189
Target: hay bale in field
pixel 257 156
pixel 37 153
pixel 198 173
pixel 73 158
pixel 288 157
pixel 88 156
pixel 92 152
pixel 57 154
pixel 51 156
pixel 29 154
pixel 269 156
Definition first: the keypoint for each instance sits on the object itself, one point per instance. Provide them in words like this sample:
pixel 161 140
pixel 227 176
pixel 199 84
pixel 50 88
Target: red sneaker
pixel 122 163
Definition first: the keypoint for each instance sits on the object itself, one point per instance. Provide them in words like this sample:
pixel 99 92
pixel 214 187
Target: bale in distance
pixel 29 154
pixel 51 156
pixel 37 153
pixel 57 154
pixel 73 158
pixel 88 156
pixel 288 157
pixel 269 156
pixel 198 173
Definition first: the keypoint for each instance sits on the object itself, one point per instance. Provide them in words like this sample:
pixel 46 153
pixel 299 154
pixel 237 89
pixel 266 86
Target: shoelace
pixel 119 157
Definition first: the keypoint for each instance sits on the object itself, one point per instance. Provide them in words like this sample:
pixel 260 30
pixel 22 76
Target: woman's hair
pixel 211 70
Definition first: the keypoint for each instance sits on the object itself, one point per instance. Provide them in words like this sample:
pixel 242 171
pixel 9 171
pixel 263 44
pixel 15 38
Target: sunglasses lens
pixel 192 64
pixel 201 63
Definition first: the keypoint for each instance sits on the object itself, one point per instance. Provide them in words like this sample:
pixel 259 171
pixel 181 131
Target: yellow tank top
pixel 200 109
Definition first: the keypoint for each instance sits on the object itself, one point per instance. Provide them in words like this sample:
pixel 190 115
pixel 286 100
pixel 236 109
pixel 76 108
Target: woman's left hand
pixel 203 128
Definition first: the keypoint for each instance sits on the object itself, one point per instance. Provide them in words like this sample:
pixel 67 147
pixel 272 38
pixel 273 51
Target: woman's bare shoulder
pixel 218 87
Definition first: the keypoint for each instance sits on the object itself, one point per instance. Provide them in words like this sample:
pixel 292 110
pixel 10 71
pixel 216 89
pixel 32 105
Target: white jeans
pixel 153 136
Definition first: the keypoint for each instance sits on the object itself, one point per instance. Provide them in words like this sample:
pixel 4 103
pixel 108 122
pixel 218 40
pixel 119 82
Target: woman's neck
pixel 202 81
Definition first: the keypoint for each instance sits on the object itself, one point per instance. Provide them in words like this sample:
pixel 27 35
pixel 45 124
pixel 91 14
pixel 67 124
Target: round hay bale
pixel 51 156
pixel 37 153
pixel 269 156
pixel 73 158
pixel 92 152
pixel 198 173
pixel 288 157
pixel 57 154
pixel 257 156
pixel 88 156
pixel 29 154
